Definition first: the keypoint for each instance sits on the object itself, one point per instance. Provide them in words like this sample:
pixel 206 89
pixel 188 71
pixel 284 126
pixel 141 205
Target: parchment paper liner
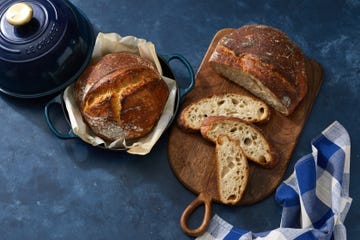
pixel 112 42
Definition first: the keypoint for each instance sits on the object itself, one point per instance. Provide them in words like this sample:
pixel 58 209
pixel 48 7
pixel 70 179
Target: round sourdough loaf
pixel 263 60
pixel 121 96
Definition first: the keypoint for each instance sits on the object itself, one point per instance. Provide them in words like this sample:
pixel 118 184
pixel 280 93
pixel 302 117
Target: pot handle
pixel 201 199
pixel 56 101
pixel 183 60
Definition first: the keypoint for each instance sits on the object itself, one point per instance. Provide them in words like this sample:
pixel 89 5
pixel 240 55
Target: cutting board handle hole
pixel 190 216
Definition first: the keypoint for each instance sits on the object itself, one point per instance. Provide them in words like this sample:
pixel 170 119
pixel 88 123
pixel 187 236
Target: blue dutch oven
pixel 44 46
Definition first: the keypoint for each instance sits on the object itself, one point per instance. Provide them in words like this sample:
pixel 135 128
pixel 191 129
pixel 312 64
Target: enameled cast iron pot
pixel 44 46
pixel 167 71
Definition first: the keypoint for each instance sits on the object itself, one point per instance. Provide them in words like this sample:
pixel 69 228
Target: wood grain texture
pixel 193 159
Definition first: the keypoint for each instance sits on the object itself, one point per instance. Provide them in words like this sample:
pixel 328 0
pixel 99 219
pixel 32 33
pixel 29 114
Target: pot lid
pixel 30 29
pixel 44 46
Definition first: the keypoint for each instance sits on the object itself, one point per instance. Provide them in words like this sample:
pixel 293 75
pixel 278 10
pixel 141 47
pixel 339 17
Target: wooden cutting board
pixel 193 159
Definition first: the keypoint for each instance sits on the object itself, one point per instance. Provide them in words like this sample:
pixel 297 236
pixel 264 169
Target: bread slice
pixel 237 105
pixel 266 62
pixel 232 170
pixel 255 145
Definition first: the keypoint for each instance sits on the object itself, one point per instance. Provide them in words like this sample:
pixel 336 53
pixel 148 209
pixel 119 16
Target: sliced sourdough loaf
pixel 255 145
pixel 237 105
pixel 266 62
pixel 232 170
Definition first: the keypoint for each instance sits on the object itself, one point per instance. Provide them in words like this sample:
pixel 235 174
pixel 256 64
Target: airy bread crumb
pixel 242 106
pixel 232 170
pixel 255 145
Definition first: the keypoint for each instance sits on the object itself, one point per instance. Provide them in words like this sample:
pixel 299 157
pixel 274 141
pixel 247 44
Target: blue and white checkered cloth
pixel 315 198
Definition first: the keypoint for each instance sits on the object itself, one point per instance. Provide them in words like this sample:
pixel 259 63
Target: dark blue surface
pixel 64 189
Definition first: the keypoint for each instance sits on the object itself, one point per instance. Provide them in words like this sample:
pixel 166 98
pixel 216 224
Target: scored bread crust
pixel 246 107
pixel 232 170
pixel 104 66
pixel 122 96
pixel 263 60
pixel 255 145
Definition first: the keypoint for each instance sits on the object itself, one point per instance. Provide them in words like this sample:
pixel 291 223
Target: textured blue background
pixel 57 189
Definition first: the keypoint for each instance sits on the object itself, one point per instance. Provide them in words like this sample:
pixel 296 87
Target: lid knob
pixel 19 14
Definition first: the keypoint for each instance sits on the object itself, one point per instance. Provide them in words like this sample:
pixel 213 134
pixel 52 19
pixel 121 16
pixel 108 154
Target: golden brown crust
pixel 121 96
pixel 267 54
pixel 141 107
pixel 105 66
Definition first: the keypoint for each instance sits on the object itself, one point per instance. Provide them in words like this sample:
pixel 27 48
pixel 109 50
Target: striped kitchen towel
pixel 315 198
